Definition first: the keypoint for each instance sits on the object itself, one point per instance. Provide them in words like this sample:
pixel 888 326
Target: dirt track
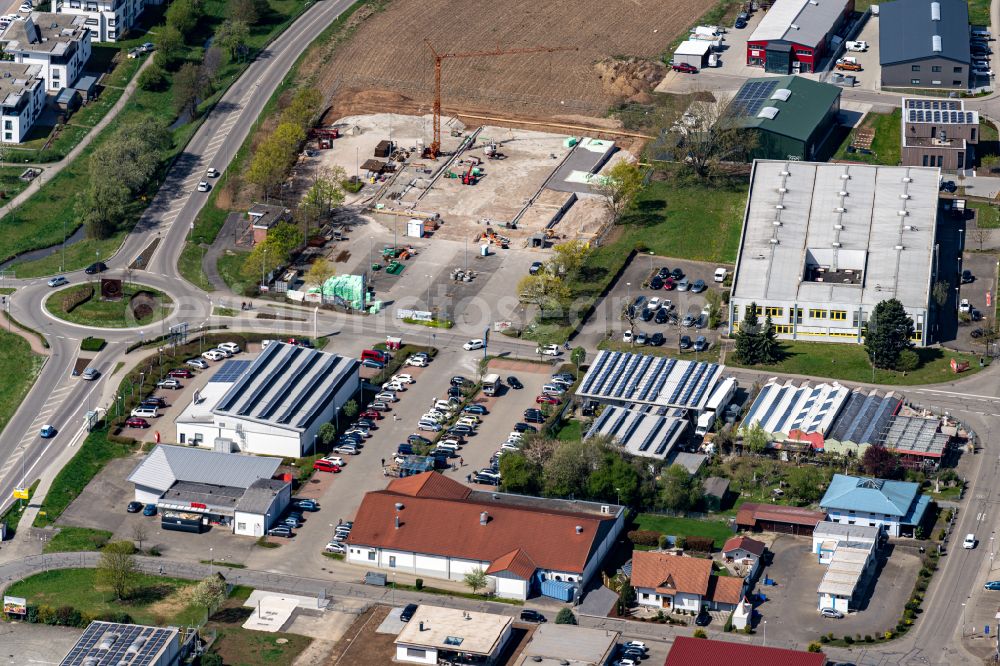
pixel 386 66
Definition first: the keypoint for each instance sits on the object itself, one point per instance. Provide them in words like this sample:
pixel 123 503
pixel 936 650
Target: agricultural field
pixel 399 75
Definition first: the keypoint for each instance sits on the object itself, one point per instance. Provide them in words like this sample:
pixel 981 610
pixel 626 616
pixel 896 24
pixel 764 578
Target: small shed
pixel 715 492
pixel 86 85
pixel 68 99
pixel 383 149
pixel 692 52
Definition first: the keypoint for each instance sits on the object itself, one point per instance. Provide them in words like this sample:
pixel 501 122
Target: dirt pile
pixel 631 78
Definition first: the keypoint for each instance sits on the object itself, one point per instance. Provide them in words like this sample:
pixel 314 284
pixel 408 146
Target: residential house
pixel 57 43
pixel 925 44
pixel 22 92
pixel 896 507
pixel 939 133
pixel 746 553
pixel 431 526
pixel 680 583
pixel 265 216
pixel 108 20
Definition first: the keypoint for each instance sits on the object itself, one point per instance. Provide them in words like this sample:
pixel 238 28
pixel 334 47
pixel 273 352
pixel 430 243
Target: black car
pixel 647 314
pixel 134 507
pixel 656 340
pixel 686 342
pixel 633 654
pixel 96 267
pixel 968 277
pixel 663 273
pixel 528 615
pixel 662 316
pixel 407 614
pixel 656 282
pixel 458 381
pixel 155 401
pixel 677 274
pixel 703 619
pixel 514 383
pixel 949 186
pixel 524 427
pixel 460 430
pixel 536 266
pixel 418 439
pixel 535 418
pixel 454 392
pixel 444 453
pixel 740 24
pixel 485 480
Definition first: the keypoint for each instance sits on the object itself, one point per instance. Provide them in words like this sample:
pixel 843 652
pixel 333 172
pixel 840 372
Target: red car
pixel 685 68
pixel 371 414
pixel 326 466
pixel 136 422
pixel 547 400
pixel 181 373
pixel 669 284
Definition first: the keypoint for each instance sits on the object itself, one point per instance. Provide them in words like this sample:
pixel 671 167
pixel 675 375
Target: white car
pixel 635 645
pixel 230 347
pixel 212 172
pixel 416 362
pixel 856 46
pixel 720 274
pixel 213 355
pixel 473 344
pixel 386 396
pixel 434 416
pixel 335 460
pixel 403 378
pixel 57 281
pixel 336 547
pixel 203 186
pixel 965 306
pixel 548 350
pixel 169 384
pixel 970 542
pixel 653 304
pixel 394 386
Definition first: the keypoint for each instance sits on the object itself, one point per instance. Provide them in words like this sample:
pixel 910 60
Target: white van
pixel 230 347
pixel 856 46
pixel 145 412
pixel 721 274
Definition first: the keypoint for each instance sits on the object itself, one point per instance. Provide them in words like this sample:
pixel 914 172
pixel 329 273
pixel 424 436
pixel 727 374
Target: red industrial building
pixel 794 35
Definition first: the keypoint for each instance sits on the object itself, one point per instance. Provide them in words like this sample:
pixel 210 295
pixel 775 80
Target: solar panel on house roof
pixel 230 371
pixel 752 95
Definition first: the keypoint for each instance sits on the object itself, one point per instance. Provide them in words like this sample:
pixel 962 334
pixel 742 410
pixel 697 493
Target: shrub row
pixel 74 298
pixel 67 616
pixel 92 344
pixel 644 537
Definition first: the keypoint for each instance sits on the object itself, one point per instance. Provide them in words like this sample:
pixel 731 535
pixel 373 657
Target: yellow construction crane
pixel 438 57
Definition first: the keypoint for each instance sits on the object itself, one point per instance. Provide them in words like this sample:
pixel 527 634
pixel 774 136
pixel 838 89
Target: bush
pixel 153 79
pixel 419 584
pixel 644 537
pixel 93 344
pixel 849 639
pixel 700 633
pixel 565 616
pixel 211 659
pixel 814 647
pixel 869 639
pixel 728 626
pixel 76 297
pixel 888 635
pixel 700 544
pixel 824 639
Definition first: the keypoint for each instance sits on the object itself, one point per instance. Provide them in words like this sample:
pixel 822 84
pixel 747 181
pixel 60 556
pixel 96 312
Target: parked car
pixel 656 282
pixel 703 619
pixel 514 383
pixel 475 409
pixel 336 547
pixel 485 480
pixel 429 426
pixel 688 321
pixel 136 422
pixel 372 363
pixel 386 396
pixel 306 504
pixel 656 339
pixel 169 384
pixel 418 439
pixel 326 466
pixel 529 615
pixel 459 381
pixel 627 336
pixel 700 343
pixel 669 284
pixel 133 507
pixel 685 68
pixel 992 585
pixel 524 427
pixel 230 347
pixel 684 284
pixel 213 355
pixel 379 406
pixel 720 274
pixel 640 338
pixel 180 373
pixel 47 432
pixel 96 267
pixel 856 46
pixel 740 24
pixel 535 267
pixel 831 612
pixel 348 449
pixel 57 281
pixel 638 645
pixel 548 350
pixel 474 344
pixel 964 305
pixel 280 531
pixel 968 277
pixel 416 362
pixel 698 286
pixel 407 613
pixel 149 510
pixel 196 363
pixel 371 414
pixel 849 66
pixel 685 342
pixel 547 400
pixel 662 316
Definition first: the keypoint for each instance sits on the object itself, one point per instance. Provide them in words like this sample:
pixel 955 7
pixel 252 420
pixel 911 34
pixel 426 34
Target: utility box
pixel 415 228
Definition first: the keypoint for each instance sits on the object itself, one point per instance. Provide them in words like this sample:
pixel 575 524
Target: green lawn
pixel 12 516
pixel 189 266
pixel 75 539
pixel 93 455
pixel 157 601
pixel 242 647
pixel 572 431
pixel 676 526
pixel 849 362
pixel 886 144
pixel 987 216
pixel 979 12
pixel 230 265
pixel 10 182
pixel 110 314
pixel 77 255
pixel 19 367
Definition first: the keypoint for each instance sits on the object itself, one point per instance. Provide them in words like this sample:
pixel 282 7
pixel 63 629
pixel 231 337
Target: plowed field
pixel 387 64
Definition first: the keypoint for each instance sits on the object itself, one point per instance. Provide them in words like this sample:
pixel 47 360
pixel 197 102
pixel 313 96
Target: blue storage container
pixel 558 589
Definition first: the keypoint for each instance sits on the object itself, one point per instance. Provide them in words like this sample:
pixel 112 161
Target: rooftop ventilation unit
pixel 907 179
pixel 835 244
pixel 845 176
pixel 779 207
pixel 484 518
pixel 842 193
pixel 936 43
pixel 840 209
pixel 399 506
pixel 579 529
pixel 777 223
pixel 782 190
pixel 768 112
pixel 785 173
pixel 794 26
pixel 782 93
pixel 774 241
pixel 935 11
pixel 899 247
pixel 902 213
pixel 904 196
pixel 910 227
pixel 838 227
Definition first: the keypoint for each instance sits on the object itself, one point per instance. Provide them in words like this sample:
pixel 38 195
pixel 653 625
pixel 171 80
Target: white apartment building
pixel 108 20
pixel 57 43
pixel 22 98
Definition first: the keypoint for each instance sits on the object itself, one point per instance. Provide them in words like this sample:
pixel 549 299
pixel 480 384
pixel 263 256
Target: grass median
pixel 140 306
pixel 19 367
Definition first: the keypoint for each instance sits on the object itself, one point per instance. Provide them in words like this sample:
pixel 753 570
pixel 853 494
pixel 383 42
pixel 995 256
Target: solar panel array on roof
pixel 939 111
pixel 623 377
pixel 782 409
pixel 109 643
pixel 751 97
pixel 230 371
pixel 641 432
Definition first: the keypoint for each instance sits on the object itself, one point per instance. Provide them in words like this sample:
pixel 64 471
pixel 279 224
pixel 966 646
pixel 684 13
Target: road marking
pixel 980 517
pixel 962 395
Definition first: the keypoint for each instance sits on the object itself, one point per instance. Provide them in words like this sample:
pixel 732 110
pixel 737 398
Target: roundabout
pixel 109 304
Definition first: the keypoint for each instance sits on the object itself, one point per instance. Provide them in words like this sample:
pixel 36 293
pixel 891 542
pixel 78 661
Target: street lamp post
pixel 765 633
pixel 263 261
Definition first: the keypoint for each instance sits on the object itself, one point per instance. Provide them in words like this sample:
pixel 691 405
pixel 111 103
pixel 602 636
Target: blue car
pixel 47 432
pixel 307 505
pixel 993 585
pixel 475 409
pixel 149 510
pixel 372 363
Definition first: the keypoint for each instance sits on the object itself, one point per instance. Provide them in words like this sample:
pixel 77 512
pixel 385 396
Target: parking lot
pixel 791 611
pixel 870 76
pixel 983 268
pixel 607 321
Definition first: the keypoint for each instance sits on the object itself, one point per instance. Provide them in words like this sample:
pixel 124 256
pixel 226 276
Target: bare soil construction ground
pixel 387 66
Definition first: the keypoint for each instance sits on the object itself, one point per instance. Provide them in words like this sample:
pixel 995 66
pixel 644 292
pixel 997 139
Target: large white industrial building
pixel 273 405
pixel 823 244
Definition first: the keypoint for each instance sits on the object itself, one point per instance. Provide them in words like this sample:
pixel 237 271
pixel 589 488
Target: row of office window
pixel 935 68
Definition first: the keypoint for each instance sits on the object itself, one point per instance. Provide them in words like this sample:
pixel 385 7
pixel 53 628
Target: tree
pixel 303 108
pixel 940 292
pixel 615 480
pixel 209 592
pixel 351 408
pixel 153 78
pixel 714 300
pixel 549 292
pixel 169 47
pixel 568 257
pixel 804 483
pixel 747 336
pixel 327 433
pixel 909 361
pixel 232 35
pixel 183 15
pixel 520 475
pixel 190 85
pixel 620 187
pixel 565 616
pixel 880 462
pixel 713 136
pixel 889 333
pixel 321 270
pixel 755 438
pixel 244 11
pixel 275 156
pixel 325 194
pixel 577 358
pixel 681 490
pixel 476 580
pixel 282 239
pixel 570 465
pixel 211 659
pixel 139 534
pixel 117 568
pixel 981 235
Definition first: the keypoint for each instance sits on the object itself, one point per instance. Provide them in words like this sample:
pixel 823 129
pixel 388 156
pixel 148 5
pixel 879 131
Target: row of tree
pixel 277 151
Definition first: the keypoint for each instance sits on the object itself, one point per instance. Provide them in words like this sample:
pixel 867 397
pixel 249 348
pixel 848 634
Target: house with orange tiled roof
pixel 431 526
pixel 676 582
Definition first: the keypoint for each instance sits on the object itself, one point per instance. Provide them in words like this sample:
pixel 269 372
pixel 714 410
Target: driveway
pixel 791 611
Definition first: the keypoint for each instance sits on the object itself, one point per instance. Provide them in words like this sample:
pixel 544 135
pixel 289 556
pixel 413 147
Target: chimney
pixel 421 625
pixel 399 506
pixel 484 518
pixel 579 529
pixel 397 522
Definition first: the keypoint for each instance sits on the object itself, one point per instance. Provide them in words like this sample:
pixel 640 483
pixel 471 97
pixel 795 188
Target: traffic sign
pixel 21 493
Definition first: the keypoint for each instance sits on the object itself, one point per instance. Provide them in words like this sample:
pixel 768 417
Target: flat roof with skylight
pixel 451 629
